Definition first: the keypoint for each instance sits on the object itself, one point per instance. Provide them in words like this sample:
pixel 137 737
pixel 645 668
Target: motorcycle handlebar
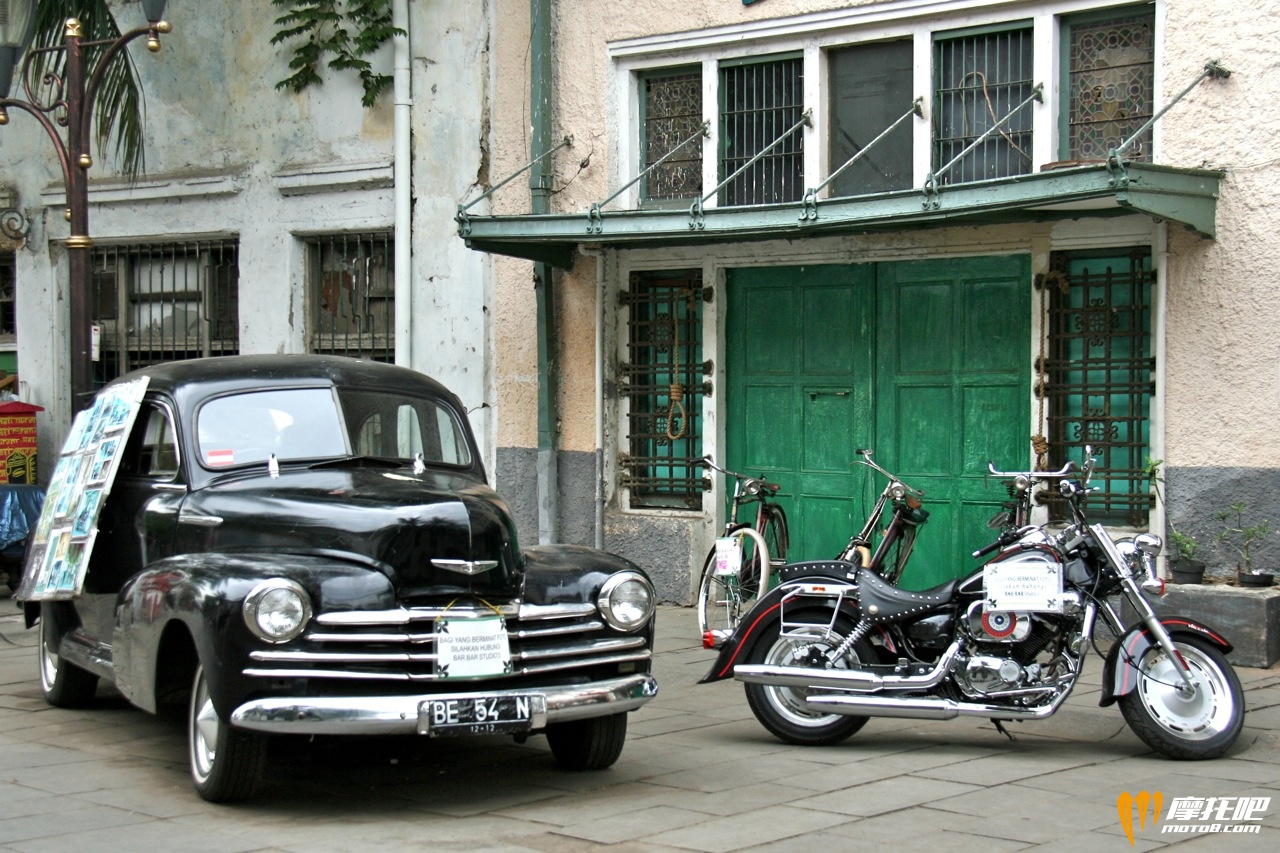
pixel 1065 471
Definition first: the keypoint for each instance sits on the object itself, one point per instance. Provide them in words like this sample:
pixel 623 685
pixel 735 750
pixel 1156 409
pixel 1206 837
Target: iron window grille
pixel 671 112
pixel 351 292
pixel 980 77
pixel 759 102
pixel 8 296
pixel 1110 83
pixel 1099 371
pixel 164 302
pixel 664 382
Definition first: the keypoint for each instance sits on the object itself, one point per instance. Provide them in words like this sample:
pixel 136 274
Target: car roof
pixel 219 374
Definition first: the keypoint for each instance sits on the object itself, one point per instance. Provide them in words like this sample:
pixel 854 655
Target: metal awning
pixel 1186 196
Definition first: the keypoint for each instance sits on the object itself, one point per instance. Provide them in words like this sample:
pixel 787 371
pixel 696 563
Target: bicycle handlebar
pixel 866 459
pixel 1065 471
pixel 763 485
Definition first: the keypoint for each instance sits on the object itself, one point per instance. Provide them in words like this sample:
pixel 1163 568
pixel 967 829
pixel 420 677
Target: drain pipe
pixel 540 89
pixel 402 178
pixel 598 254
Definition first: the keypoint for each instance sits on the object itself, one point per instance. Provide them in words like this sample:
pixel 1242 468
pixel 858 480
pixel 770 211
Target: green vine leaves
pixel 347 31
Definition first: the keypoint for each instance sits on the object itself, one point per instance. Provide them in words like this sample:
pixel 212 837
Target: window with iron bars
pixel 670 113
pixel 1099 371
pixel 760 101
pixel 1110 83
pixel 351 293
pixel 664 382
pixel 8 298
pixel 980 77
pixel 164 302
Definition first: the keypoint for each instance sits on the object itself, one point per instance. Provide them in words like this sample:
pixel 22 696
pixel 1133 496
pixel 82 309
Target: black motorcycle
pixel 835 643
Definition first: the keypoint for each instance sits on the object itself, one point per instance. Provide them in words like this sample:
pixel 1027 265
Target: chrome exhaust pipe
pixel 840 679
pixel 926 709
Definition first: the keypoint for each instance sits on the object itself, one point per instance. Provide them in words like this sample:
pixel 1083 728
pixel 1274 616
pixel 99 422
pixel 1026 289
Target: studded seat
pixel 883 602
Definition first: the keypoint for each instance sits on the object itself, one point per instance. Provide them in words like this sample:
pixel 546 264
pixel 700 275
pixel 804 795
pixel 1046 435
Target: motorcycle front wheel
pixel 782 710
pixel 1186 727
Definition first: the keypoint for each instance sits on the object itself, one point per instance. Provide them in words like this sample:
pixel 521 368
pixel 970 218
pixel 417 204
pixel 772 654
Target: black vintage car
pixel 307 545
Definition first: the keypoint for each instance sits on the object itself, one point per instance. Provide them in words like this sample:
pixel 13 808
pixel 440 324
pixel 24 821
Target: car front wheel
pixel 225 762
pixel 592 744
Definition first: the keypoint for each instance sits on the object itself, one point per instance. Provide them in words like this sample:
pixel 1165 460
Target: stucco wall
pixel 228 155
pixel 1220 386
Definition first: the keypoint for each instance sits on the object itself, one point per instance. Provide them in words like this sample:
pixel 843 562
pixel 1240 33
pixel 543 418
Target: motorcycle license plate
pixel 475 715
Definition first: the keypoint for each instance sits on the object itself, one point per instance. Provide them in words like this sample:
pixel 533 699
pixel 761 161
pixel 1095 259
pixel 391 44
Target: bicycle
pixel 743 557
pixel 899 536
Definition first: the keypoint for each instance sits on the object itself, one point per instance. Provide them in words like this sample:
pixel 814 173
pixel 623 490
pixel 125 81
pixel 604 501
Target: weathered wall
pixel 1222 360
pixel 228 155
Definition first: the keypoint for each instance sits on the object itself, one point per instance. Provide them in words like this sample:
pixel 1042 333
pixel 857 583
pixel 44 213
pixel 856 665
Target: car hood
pixel 435 535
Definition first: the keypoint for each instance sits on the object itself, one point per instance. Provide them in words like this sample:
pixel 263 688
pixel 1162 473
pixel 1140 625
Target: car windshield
pixel 306 423
pixel 297 423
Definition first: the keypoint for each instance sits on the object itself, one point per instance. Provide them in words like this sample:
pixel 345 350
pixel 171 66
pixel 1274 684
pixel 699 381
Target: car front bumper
pixel 389 715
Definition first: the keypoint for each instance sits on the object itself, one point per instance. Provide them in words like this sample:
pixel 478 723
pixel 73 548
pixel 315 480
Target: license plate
pixel 475 715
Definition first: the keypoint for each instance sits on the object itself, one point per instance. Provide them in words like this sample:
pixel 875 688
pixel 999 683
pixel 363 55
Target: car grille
pixel 400 644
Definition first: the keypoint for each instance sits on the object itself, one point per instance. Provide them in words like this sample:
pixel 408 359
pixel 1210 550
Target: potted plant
pixel 1183 565
pixel 1240 537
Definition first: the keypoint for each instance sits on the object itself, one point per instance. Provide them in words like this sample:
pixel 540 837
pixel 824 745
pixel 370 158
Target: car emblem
pixel 465 567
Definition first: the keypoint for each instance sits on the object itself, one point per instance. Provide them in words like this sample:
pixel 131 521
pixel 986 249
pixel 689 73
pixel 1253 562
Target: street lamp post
pixel 69 105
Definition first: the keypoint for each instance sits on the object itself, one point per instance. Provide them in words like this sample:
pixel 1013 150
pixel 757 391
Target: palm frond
pixel 119 110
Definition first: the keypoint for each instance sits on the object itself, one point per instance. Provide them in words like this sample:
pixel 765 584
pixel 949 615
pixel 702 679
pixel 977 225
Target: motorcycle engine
pixel 984 675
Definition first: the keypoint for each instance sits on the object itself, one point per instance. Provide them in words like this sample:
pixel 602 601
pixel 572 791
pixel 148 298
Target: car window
pixel 294 423
pixel 397 427
pixel 153 451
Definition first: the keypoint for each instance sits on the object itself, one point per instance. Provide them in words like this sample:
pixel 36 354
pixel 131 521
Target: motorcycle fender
pixel 736 648
pixel 1119 680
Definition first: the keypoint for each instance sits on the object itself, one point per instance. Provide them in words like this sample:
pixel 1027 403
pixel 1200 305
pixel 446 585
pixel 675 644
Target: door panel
pixel 926 362
pixel 799 392
pixel 954 397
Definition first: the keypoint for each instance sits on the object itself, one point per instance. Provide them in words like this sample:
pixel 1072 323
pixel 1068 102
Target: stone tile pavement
pixel 698 773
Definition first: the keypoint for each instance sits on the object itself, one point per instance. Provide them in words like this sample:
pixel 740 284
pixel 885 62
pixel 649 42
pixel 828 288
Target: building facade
pixel 266 220
pixel 954 232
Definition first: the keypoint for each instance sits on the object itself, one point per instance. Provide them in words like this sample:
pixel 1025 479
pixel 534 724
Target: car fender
pixel 205 593
pixel 1119 681
pixel 737 648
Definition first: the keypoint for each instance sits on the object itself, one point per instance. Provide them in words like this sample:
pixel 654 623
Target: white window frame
pixel 813 34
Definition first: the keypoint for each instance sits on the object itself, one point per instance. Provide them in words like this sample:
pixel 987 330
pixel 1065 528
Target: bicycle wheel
pixel 721 598
pixel 776 538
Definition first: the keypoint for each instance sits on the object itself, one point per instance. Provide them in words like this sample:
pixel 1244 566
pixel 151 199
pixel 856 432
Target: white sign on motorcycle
pixel 1025 586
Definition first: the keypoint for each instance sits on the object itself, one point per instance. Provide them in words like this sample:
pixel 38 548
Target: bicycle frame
pixel 906 500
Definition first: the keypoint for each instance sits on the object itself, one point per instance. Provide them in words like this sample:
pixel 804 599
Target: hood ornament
pixel 465 567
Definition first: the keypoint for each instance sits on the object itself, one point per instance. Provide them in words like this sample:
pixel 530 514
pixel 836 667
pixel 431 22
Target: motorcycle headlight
pixel 277 610
pixel 1148 543
pixel 626 601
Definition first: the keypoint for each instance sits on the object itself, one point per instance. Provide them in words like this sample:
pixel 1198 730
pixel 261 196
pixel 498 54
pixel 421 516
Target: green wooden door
pixel 926 362
pixel 953 391
pixel 800 377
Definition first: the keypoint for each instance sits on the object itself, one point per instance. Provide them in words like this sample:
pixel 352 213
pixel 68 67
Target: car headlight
pixel 626 601
pixel 277 610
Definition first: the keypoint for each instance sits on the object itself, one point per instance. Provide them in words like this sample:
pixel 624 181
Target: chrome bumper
pixel 386 715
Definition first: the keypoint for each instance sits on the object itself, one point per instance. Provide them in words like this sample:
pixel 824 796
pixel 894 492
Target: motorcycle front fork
pixel 1147 616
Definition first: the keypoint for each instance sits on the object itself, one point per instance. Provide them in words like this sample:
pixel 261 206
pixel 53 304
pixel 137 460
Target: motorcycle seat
pixel 883 602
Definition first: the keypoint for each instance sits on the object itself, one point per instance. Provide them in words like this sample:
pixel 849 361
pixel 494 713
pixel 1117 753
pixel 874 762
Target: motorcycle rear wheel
pixel 1188 728
pixel 782 710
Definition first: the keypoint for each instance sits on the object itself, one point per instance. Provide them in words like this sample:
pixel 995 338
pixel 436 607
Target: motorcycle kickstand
pixel 1002 730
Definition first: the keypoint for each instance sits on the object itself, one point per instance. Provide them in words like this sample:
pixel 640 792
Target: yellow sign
pixel 1127 804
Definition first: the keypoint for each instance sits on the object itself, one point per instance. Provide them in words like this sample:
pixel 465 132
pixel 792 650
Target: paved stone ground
pixel 698 773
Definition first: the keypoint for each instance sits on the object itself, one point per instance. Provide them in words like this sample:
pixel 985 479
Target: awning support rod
pixel 695 210
pixel 931 182
pixel 594 225
pixel 810 202
pixel 1212 68
pixel 461 218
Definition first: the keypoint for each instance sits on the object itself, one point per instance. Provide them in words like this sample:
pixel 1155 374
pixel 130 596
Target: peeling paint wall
pixel 229 155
